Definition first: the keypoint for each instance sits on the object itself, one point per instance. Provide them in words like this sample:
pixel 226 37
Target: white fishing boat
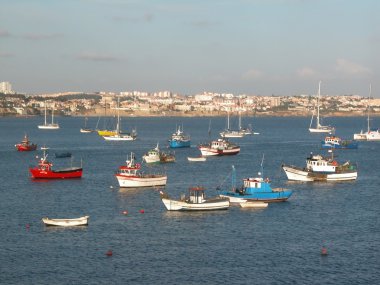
pixel 318 127
pixel 129 176
pixel 196 201
pixel 319 168
pixel 152 156
pixel 120 136
pixel 82 221
pixel 253 204
pixel 49 126
pixel 370 134
pixel 219 147
pixel 199 158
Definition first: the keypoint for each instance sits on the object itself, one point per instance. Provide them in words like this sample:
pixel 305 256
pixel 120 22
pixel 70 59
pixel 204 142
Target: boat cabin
pixel 318 163
pixel 256 184
pixel 197 195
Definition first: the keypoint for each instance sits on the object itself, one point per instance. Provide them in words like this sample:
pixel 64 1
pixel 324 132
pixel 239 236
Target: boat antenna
pixel 262 166
pixel 209 128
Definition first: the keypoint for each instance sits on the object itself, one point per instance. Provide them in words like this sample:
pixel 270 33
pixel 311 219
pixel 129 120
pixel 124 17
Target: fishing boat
pixel 338 143
pixel 85 129
pixel 219 147
pixel 179 139
pixel 371 134
pixel 319 168
pixel 25 145
pixel 49 126
pixel 82 221
pixel 152 156
pixel 255 189
pixel 129 176
pixel 120 136
pixel 196 159
pixel 195 201
pixel 167 156
pixel 318 127
pixel 44 170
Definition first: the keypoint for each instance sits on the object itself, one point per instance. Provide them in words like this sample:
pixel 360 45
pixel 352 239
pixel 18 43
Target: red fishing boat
pixel 25 145
pixel 44 170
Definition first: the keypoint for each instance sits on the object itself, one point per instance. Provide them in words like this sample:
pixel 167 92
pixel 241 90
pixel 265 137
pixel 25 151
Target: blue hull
pixel 344 145
pixel 178 144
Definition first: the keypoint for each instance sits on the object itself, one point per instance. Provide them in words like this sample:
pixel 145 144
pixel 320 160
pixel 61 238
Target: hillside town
pixel 168 103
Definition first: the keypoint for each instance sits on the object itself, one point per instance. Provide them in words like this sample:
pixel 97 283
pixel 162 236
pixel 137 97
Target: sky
pixel 254 47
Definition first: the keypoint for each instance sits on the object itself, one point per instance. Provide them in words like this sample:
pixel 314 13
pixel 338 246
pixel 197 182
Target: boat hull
pixel 179 144
pixel 206 151
pixel 72 172
pixel 299 174
pixel 343 145
pixel 106 133
pixel 141 181
pixel 316 130
pixel 82 221
pixel 21 147
pixel 253 204
pixel 208 205
pixel 196 159
pixel 267 197
pixel 49 127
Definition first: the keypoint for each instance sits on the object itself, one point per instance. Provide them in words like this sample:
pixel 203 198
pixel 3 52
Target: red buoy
pixel 142 211
pixel 109 253
pixel 27 226
pixel 324 251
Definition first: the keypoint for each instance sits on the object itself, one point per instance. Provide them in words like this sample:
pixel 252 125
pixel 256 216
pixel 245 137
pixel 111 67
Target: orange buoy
pixel 109 253
pixel 142 211
pixel 125 212
pixel 324 251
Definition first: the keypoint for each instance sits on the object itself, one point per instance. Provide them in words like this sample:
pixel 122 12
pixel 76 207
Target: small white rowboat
pixel 200 158
pixel 254 204
pixel 82 221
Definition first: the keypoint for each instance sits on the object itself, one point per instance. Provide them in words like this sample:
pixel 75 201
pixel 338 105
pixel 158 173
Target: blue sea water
pixel 278 245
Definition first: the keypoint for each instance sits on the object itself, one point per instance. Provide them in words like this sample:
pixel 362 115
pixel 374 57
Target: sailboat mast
pixel 118 116
pixel 228 120
pixel 45 113
pixel 369 98
pixel 239 119
pixel 319 95
pixel 52 116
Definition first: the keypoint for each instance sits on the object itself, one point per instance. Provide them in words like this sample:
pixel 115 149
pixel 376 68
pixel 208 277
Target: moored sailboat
pixel 318 127
pixel 49 126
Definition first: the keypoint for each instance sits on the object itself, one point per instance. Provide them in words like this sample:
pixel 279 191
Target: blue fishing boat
pixel 256 189
pixel 179 139
pixel 337 142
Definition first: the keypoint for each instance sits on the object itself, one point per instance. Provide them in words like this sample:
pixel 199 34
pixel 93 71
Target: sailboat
pixel 85 129
pixel 105 131
pixel 371 134
pixel 319 128
pixel 119 136
pixel 228 133
pixel 52 125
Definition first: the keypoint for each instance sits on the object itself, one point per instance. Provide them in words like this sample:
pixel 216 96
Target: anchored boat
pixel 219 147
pixel 82 221
pixel 129 176
pixel 319 168
pixel 179 139
pixel 196 201
pixel 338 143
pixel 25 145
pixel 44 170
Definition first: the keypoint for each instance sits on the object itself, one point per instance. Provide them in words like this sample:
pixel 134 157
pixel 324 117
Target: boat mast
pixel 369 98
pixel 52 116
pixel 45 113
pixel 319 95
pixel 118 116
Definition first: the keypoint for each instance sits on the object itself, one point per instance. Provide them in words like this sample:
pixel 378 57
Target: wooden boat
pixel 25 145
pixel 166 157
pixel 319 168
pixel 199 158
pixel 129 176
pixel 219 147
pixel 196 201
pixel 44 170
pixel 82 221
pixel 253 204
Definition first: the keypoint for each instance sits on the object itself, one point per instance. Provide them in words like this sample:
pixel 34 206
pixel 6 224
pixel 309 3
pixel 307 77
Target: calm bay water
pixel 278 245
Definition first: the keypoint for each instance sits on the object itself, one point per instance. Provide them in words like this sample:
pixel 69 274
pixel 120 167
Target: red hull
pixel 21 147
pixel 55 174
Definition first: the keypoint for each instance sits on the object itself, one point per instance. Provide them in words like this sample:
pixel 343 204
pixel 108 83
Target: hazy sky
pixel 262 47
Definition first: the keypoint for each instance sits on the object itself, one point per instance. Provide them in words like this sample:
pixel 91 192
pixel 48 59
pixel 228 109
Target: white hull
pixel 119 138
pixel 134 181
pixel 232 134
pixel 253 205
pixel 234 199
pixel 196 158
pixel 149 159
pixel 213 152
pixel 213 204
pixel 85 131
pixel 66 222
pixel 49 127
pixel 297 174
pixel 313 130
